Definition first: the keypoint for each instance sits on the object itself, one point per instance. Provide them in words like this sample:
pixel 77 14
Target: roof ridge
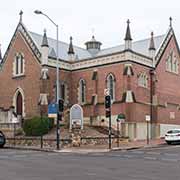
pixel 58 41
pixel 134 41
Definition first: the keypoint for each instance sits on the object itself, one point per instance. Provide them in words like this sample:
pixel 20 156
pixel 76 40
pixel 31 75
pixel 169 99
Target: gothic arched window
pixel 110 84
pixel 18 68
pixel 82 91
pixel 143 80
pixel 64 92
pixel 172 63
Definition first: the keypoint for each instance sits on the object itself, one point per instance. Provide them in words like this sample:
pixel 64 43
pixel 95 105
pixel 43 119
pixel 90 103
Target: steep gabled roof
pixel 164 43
pixel 22 29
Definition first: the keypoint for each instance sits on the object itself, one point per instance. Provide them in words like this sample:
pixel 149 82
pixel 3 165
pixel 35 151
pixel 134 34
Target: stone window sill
pixel 18 76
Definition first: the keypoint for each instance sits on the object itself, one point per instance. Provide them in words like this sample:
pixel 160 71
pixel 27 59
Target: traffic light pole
pixel 60 109
pixel 110 128
pixel 57 131
pixel 108 114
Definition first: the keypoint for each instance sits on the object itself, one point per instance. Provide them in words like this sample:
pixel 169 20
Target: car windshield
pixel 173 131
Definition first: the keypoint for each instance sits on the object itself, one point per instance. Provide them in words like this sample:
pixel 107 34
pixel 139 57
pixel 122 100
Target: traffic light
pixel 61 105
pixel 107 101
pixel 108 113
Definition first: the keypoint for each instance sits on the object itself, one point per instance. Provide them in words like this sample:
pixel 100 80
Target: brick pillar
pixel 44 91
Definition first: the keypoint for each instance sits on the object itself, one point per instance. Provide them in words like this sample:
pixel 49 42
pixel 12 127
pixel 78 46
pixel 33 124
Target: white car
pixel 172 135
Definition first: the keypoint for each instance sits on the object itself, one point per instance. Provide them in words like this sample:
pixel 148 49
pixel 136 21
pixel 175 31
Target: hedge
pixel 38 126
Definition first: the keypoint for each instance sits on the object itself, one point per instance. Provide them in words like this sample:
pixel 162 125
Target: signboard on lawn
pixel 76 116
pixel 52 110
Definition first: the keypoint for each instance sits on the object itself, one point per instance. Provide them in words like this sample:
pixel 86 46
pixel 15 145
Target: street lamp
pixel 57 75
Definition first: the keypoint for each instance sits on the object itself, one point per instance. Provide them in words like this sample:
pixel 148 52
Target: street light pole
pixel 57 89
pixel 151 102
pixel 57 76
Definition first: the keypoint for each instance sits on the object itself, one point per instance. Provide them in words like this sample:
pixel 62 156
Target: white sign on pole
pixel 147 118
pixel 15 120
pixel 106 92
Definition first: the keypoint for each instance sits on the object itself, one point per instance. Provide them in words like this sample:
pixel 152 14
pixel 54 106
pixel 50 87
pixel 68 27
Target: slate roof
pixel 80 53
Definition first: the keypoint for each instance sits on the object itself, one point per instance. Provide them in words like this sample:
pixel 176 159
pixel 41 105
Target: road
pixel 145 164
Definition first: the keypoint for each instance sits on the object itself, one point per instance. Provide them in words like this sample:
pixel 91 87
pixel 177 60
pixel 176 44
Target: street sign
pixel 121 117
pixel 52 110
pixel 147 117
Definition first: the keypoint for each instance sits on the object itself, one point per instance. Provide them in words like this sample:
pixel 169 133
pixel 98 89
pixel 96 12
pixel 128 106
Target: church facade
pixel 142 77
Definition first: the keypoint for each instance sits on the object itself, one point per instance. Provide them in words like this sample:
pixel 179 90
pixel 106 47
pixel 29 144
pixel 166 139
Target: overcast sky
pixel 106 19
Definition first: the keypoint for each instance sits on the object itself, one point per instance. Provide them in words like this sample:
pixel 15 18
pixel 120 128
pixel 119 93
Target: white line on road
pixel 150 158
pixel 137 152
pixel 153 153
pixel 128 156
pixel 169 154
pixel 19 156
pixel 171 160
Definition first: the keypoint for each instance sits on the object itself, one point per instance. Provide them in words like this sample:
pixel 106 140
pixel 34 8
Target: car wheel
pixel 168 142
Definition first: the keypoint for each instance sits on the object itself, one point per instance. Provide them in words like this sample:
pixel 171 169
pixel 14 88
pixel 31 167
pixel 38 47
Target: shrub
pixel 37 126
pixel 19 132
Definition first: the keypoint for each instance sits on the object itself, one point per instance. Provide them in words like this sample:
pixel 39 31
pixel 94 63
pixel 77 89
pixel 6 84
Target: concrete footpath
pixel 98 148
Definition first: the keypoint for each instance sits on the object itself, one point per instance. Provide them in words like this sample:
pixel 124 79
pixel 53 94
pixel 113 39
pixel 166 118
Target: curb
pixel 85 150
pixel 28 148
pixel 127 148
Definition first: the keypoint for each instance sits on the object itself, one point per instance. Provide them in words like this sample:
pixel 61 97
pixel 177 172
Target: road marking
pixel 91 174
pixel 150 158
pixel 169 154
pixel 4 157
pixel 153 153
pixel 127 156
pixel 19 156
pixel 171 160
pixel 138 152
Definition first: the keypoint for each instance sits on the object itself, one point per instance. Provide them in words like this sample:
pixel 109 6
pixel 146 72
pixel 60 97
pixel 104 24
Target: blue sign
pixel 52 108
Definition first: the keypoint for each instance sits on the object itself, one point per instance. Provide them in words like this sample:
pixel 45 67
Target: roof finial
pixel 20 14
pixel 128 32
pixel 152 45
pixel 71 49
pixel 170 21
pixel 0 54
pixel 44 41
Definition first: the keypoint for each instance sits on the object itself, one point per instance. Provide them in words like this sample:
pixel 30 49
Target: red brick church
pixel 142 77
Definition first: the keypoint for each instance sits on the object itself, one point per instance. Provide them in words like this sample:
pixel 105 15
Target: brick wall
pixel 28 83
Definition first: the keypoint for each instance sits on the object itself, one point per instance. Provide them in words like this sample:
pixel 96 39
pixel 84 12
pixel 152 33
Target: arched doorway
pixel 19 104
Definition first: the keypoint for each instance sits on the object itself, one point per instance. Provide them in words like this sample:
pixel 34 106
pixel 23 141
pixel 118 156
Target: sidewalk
pixel 122 146
pixel 98 148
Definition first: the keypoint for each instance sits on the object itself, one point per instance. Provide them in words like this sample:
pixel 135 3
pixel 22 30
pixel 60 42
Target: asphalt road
pixel 147 164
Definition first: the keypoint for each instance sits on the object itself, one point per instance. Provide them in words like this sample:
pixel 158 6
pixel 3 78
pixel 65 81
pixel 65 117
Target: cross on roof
pixel 170 21
pixel 20 14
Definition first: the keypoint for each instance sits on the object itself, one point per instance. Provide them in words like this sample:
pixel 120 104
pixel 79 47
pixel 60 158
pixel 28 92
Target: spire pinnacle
pixel 152 45
pixel 170 21
pixel 0 54
pixel 128 32
pixel 44 41
pixel 20 14
pixel 71 49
